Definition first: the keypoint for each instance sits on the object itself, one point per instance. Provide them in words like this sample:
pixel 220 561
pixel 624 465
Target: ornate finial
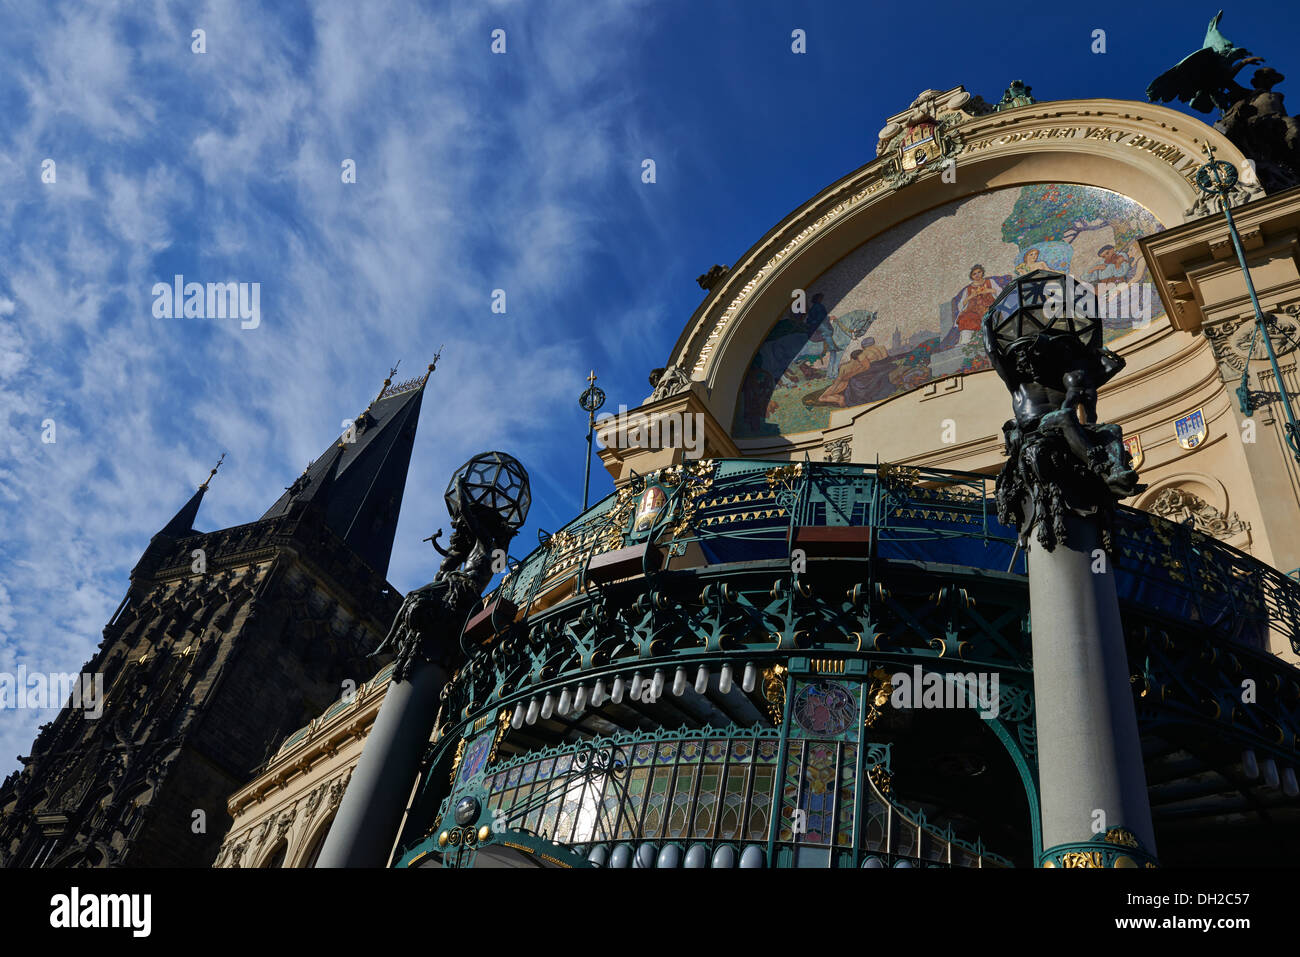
pixel 1215 176
pixel 432 365
pixel 204 486
pixel 593 398
pixel 388 381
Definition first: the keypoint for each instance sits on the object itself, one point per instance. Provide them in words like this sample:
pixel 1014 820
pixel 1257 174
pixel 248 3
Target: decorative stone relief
pixel 314 799
pixel 283 824
pixel 1179 505
pixel 838 450
pixel 715 275
pixel 924 135
pixel 337 787
pixel 668 381
pixel 1231 340
pixel 1208 204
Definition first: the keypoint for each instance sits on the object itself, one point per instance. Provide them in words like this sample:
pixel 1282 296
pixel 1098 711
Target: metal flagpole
pixel 1218 177
pixel 590 400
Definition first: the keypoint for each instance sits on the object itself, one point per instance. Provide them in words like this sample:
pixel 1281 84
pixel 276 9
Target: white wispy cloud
pixel 474 172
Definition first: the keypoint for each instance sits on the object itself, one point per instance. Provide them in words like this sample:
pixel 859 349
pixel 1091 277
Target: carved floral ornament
pixel 1180 505
pixel 1164 139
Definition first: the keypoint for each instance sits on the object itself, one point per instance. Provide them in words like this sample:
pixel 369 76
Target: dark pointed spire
pixel 359 481
pixel 182 523
pixel 180 526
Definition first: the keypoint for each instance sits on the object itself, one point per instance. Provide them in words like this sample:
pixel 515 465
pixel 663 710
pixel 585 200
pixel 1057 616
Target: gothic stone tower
pixel 225 643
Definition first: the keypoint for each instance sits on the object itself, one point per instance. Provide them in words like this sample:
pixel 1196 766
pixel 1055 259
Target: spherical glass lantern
pixel 1042 302
pixel 493 483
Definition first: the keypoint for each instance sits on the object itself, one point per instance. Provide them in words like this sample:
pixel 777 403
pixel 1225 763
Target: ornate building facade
pixel 811 643
pixel 704 670
pixel 225 643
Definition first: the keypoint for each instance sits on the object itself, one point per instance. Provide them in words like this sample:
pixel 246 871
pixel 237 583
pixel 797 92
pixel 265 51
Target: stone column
pixel 1092 784
pixel 366 826
pixel 1065 474
pixel 487 500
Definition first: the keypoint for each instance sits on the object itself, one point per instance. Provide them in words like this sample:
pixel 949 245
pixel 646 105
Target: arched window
pixel 276 857
pixel 317 842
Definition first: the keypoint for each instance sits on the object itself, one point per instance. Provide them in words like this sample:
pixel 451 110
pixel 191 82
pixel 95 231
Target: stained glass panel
pixel 508 801
pixel 823 709
pixel 715 751
pixel 636 787
pixel 714 788
pixel 733 803
pixel 904 837
pixel 706 803
pixel 874 823
pixel 656 802
pixel 790 792
pixel 607 824
pixel 848 781
pixel 586 821
pixel 475 756
pixel 760 803
pixel 534 816
pixel 549 816
pixel 680 815
pixel 819 791
pixel 568 815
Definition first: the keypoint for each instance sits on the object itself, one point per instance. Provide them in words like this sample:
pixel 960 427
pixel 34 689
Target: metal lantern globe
pixel 1042 303
pixel 492 484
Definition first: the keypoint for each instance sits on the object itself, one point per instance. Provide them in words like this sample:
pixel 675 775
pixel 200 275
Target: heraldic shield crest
pixel 1191 430
pixel 1133 444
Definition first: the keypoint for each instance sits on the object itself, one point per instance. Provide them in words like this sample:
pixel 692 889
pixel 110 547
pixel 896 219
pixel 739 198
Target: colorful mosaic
pixel 825 708
pixel 476 755
pixel 905 308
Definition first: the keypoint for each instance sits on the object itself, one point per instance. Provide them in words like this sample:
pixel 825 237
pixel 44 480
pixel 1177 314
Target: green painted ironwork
pixel 509 817
pixel 1116 847
pixel 928 588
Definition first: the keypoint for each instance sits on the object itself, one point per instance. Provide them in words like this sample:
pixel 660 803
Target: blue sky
pixel 475 172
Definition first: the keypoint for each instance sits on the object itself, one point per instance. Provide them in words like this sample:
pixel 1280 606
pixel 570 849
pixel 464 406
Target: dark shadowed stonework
pixel 208 666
